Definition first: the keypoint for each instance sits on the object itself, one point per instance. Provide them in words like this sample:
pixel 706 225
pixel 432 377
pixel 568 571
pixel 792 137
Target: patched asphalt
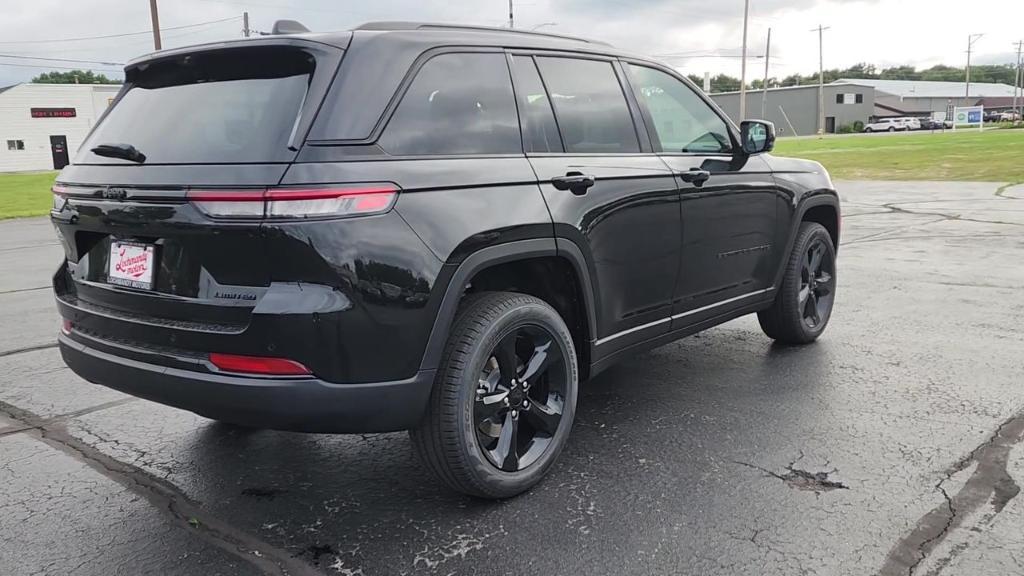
pixel 891 446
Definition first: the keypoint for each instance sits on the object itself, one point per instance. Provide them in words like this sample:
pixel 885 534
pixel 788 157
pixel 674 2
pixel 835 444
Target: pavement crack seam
pixel 16 290
pixel 27 349
pixel 893 206
pixel 990 483
pixel 166 497
pixel 800 479
pixel 1001 191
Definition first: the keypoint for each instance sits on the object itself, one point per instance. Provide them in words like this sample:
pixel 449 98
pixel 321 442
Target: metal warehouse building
pixel 41 125
pixel 794 110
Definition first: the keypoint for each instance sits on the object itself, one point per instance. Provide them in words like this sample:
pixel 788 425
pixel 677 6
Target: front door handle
pixel 575 182
pixel 695 176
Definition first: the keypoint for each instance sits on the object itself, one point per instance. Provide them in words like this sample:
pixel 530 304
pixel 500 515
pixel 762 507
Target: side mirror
pixel 757 136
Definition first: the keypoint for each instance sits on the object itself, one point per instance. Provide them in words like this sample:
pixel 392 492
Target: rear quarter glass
pixel 233 106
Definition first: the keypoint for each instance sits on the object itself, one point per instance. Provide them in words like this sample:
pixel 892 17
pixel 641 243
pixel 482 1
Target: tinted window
pixel 683 122
pixel 540 133
pixel 218 107
pixel 591 109
pixel 457 104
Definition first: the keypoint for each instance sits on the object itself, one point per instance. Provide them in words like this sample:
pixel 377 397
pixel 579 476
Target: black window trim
pixel 509 55
pixel 649 121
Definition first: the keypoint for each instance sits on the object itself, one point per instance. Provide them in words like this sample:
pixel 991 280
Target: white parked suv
pixel 888 125
pixel 911 123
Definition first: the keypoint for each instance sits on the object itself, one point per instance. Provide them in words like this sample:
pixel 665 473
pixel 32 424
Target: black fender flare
pixel 492 256
pixel 823 198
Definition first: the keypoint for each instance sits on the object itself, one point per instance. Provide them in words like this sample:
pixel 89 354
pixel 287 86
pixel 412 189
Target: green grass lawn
pixel 968 155
pixel 25 194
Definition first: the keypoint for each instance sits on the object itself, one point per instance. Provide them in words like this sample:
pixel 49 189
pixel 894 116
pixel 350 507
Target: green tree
pixel 74 77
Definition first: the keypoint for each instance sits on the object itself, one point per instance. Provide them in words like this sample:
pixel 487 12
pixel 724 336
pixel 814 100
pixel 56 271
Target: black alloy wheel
pixel 803 301
pixel 520 398
pixel 817 283
pixel 504 396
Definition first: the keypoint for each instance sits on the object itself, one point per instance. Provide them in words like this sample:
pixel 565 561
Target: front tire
pixel 803 304
pixel 504 397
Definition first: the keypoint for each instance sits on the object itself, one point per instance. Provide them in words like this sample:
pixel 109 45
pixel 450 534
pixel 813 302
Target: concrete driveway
pixel 891 446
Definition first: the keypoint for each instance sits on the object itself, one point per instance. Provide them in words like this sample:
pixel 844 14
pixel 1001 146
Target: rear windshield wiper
pixel 122 151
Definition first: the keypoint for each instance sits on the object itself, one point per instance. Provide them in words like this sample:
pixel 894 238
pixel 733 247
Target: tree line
pixel 1002 73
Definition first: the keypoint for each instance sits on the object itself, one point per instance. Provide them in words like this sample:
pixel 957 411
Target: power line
pixel 21 57
pixel 118 35
pixel 60 67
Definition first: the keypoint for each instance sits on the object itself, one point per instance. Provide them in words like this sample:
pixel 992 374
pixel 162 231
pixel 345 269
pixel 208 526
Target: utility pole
pixel 1018 80
pixel 971 39
pixel 156 24
pixel 511 21
pixel 743 65
pixel 245 24
pixel 821 77
pixel 764 87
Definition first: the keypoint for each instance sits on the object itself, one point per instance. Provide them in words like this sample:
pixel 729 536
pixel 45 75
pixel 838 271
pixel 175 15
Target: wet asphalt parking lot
pixel 894 445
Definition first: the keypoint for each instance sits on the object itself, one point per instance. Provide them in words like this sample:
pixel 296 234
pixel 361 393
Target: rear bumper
pixel 296 404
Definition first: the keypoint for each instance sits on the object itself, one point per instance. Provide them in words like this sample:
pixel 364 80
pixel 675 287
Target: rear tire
pixel 891 129
pixel 504 396
pixel 803 304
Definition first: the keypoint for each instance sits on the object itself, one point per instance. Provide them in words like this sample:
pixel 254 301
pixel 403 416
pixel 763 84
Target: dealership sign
pixel 53 112
pixel 968 116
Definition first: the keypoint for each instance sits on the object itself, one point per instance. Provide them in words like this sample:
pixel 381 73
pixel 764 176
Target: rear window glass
pixel 590 106
pixel 238 106
pixel 457 104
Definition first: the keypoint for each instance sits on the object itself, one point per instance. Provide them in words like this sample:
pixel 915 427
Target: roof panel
pixel 930 89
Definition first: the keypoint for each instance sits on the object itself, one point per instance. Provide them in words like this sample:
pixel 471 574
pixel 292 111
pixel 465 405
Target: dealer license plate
pixel 131 264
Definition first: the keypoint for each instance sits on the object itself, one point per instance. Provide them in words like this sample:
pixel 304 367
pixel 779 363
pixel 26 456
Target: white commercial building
pixel 42 125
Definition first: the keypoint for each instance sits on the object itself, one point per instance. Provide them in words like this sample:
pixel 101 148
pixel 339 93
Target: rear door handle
pixel 695 176
pixel 575 182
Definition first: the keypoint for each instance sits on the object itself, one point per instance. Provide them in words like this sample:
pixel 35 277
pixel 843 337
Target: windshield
pixel 237 106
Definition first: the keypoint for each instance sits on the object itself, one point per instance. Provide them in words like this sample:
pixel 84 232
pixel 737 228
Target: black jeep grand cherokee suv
pixel 435 228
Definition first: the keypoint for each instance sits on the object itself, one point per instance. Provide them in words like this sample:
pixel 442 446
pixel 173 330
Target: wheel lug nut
pixel 515 413
pixel 506 401
pixel 526 404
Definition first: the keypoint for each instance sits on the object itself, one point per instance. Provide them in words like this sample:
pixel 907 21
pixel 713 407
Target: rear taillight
pixel 258 365
pixel 295 202
pixel 59 197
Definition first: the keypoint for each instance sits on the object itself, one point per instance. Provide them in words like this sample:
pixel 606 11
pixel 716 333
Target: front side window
pixel 591 109
pixel 682 121
pixel 457 104
pixel 15 144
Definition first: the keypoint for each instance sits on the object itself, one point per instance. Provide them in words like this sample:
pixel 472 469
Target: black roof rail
pixel 401 25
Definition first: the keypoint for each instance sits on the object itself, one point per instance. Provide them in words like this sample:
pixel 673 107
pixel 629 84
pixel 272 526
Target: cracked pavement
pixel 891 446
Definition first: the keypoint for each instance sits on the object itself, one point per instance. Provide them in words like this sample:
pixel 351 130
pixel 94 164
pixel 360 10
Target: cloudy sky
pixel 693 35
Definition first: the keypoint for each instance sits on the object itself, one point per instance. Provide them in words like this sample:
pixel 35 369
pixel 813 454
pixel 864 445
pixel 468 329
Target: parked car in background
pixel 991 116
pixel 886 125
pixel 911 123
pixel 1008 116
pixel 932 124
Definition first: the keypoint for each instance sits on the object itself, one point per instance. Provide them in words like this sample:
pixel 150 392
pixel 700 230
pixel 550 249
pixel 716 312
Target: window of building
pixel 842 98
pixel 592 112
pixel 457 104
pixel 683 122
pixel 15 144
